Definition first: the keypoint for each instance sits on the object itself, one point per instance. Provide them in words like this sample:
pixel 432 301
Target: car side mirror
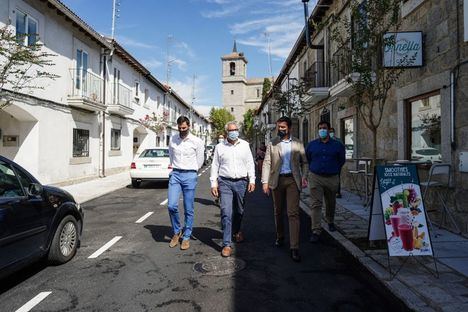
pixel 35 189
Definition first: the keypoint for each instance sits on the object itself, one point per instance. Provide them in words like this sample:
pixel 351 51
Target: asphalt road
pixel 139 272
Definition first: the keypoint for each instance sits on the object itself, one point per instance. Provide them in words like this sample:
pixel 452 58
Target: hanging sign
pixel 403 49
pixel 404 216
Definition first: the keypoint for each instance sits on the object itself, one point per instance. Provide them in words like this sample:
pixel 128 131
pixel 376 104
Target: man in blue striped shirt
pixel 325 157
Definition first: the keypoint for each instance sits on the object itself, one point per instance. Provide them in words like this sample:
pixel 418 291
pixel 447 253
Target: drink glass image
pixel 395 220
pixel 406 236
pixel 405 215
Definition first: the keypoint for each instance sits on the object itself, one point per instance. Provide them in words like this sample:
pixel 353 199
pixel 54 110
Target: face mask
pixel 233 135
pixel 183 133
pixel 323 133
pixel 332 135
pixel 220 140
pixel 282 133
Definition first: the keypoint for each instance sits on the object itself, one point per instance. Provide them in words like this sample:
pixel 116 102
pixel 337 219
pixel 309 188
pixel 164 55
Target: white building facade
pixel 86 123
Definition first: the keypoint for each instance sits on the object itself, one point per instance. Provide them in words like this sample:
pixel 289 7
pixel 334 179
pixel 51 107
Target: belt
pixel 325 174
pixel 234 180
pixel 183 170
pixel 286 175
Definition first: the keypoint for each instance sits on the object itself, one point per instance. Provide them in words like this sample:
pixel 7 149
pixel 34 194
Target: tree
pixel 266 87
pixel 291 102
pixel 219 118
pixel 248 125
pixel 360 42
pixel 21 62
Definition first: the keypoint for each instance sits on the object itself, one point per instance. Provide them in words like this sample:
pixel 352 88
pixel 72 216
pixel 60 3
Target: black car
pixel 36 221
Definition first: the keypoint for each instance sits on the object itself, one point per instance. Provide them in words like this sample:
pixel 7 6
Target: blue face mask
pixel 332 135
pixel 233 135
pixel 323 133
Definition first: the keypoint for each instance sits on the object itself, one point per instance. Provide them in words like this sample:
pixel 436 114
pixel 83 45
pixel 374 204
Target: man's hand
pixel 214 191
pixel 266 189
pixel 251 187
pixel 304 182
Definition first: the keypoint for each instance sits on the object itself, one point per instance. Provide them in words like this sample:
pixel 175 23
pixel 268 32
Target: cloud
pixel 129 42
pixel 152 63
pixel 181 64
pixel 281 20
pixel 184 89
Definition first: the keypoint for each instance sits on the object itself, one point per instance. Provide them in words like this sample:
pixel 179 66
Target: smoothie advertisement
pixel 403 211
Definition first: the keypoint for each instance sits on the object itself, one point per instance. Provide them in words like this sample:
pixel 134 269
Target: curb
pixel 398 289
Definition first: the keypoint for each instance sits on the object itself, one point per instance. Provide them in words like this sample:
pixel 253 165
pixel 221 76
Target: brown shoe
pixel 239 237
pixel 175 240
pixel 226 252
pixel 185 244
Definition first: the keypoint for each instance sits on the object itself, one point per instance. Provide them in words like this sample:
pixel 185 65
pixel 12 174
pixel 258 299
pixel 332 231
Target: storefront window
pixel 347 128
pixel 425 128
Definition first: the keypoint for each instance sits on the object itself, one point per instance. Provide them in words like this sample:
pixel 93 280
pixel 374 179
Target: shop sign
pixel 403 49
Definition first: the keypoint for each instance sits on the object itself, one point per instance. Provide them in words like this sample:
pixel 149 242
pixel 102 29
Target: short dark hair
pixel 183 119
pixel 323 122
pixel 332 129
pixel 285 119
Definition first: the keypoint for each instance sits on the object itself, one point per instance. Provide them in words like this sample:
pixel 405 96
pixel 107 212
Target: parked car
pixel 36 220
pixel 429 154
pixel 209 151
pixel 349 148
pixel 151 165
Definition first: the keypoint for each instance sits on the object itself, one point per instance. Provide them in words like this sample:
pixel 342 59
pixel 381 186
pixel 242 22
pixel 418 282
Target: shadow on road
pixel 204 201
pixel 207 236
pixel 151 185
pixel 20 276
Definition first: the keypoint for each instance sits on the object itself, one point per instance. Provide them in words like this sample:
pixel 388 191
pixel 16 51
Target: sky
pixel 197 33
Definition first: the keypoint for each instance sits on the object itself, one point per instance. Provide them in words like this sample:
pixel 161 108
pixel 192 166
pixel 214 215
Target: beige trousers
pixel 287 193
pixel 322 188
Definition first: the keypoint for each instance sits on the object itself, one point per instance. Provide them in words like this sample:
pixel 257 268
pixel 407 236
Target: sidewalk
pixel 85 191
pixel 419 289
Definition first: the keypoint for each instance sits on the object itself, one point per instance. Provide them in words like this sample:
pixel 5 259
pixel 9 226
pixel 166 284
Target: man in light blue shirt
pixel 286 151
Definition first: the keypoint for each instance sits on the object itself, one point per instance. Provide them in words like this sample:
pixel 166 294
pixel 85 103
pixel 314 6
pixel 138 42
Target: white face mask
pixel 220 140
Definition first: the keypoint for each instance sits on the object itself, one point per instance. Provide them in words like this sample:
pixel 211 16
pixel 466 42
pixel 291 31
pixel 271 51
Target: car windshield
pixel 155 153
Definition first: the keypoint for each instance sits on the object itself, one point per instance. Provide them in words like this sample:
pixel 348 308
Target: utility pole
pixel 115 15
pixel 267 35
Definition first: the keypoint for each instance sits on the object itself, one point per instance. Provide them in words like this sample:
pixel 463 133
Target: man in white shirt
pixel 186 153
pixel 232 174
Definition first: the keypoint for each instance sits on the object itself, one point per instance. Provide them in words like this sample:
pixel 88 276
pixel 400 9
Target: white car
pixel 151 165
pixel 428 154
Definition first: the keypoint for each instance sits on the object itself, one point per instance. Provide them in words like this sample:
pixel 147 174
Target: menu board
pixel 403 211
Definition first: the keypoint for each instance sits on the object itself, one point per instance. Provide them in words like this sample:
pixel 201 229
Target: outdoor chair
pixel 359 171
pixel 438 183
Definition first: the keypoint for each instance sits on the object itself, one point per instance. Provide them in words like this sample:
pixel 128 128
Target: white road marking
pixel 34 302
pixel 105 247
pixel 144 217
pixel 164 202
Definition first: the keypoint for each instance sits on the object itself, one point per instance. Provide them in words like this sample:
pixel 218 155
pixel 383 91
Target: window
pixel 115 139
pixel 359 23
pixel 137 89
pixel 424 126
pixel 258 93
pixel 232 68
pixel 347 136
pixel 26 29
pixel 155 152
pixel 305 131
pixel 146 96
pixel 232 92
pixel 81 70
pixel 325 115
pixel 158 101
pixel 9 183
pixel 80 143
pixel 232 109
pixel 116 86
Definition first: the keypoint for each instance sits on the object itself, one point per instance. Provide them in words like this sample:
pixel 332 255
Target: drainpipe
pixel 103 137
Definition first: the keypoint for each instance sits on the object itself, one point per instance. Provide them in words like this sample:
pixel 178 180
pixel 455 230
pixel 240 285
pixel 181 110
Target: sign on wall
pixel 403 211
pixel 403 49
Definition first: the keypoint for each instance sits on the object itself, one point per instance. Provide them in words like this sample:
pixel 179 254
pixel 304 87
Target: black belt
pixel 286 175
pixel 183 170
pixel 234 180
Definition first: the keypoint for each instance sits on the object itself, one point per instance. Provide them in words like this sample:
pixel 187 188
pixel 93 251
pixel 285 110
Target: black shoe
pixel 331 227
pixel 295 255
pixel 279 242
pixel 314 238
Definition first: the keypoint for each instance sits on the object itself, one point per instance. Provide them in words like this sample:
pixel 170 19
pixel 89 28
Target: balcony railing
pixel 341 66
pixel 86 85
pixel 316 75
pixel 121 95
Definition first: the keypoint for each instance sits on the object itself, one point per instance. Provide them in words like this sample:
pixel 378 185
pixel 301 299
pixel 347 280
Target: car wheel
pixel 135 183
pixel 65 241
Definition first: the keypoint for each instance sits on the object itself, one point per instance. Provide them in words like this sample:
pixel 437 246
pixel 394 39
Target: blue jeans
pixel 231 201
pixel 185 182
